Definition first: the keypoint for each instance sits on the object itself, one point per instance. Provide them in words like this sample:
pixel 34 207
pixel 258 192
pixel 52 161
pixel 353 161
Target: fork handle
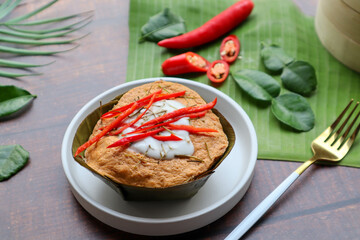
pixel 262 208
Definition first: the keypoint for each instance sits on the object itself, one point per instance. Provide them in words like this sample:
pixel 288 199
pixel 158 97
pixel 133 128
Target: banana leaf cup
pixel 135 193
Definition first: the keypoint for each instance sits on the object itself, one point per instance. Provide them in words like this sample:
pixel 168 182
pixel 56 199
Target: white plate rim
pixel 86 201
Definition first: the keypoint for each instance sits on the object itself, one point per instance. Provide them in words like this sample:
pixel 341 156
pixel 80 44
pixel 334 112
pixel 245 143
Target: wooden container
pixel 337 24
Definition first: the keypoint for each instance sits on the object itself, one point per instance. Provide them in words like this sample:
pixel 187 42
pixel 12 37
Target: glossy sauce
pixel 162 149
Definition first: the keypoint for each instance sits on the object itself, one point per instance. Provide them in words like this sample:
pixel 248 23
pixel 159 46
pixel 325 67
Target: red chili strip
pixel 107 129
pixel 142 102
pixel 190 115
pixel 171 137
pixel 170 95
pixel 117 111
pixel 212 29
pixel 184 63
pixel 190 129
pixel 180 112
pixel 134 138
pixel 120 130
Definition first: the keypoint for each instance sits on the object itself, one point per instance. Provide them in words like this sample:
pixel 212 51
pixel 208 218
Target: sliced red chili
pixel 171 137
pixel 142 102
pixel 184 63
pixel 180 112
pixel 134 138
pixel 117 111
pixel 107 129
pixel 230 48
pixel 218 71
pixel 120 130
pixel 190 129
pixel 189 115
pixel 212 29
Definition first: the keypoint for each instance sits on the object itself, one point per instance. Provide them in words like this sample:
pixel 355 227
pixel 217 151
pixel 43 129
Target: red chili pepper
pixel 120 130
pixel 190 129
pixel 134 138
pixel 171 137
pixel 180 112
pixel 214 28
pixel 142 102
pixel 117 111
pixel 190 115
pixel 218 71
pixel 230 49
pixel 184 63
pixel 107 129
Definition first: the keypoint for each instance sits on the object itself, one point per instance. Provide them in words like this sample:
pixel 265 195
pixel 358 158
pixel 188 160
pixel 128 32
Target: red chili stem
pixel 134 138
pixel 171 137
pixel 212 29
pixel 190 129
pixel 180 112
pixel 107 129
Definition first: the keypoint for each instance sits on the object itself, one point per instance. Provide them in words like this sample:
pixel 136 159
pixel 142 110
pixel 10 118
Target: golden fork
pixel 331 145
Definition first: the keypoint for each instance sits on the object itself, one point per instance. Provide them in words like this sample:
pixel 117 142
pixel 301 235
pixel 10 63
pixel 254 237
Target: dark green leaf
pixel 299 77
pixel 13 99
pixel 258 85
pixel 163 25
pixel 12 159
pixel 293 110
pixel 274 57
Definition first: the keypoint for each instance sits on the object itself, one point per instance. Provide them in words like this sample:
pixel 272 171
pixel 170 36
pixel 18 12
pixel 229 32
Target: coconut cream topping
pixel 162 149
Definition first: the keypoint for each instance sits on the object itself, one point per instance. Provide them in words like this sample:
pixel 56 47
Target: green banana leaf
pixel 276 21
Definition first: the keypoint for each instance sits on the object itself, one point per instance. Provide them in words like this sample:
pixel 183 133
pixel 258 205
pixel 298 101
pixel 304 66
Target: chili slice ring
pixel 230 48
pixel 218 71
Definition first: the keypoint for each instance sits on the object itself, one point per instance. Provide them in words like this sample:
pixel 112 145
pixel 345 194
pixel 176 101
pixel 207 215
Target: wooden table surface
pixel 37 203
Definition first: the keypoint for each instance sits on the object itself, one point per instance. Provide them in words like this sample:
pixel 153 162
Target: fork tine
pixel 347 119
pixel 336 122
pixel 351 125
pixel 328 133
pixel 351 139
pixel 333 136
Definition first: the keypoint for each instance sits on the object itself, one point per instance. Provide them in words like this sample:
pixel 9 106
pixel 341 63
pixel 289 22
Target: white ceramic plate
pixel 220 193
